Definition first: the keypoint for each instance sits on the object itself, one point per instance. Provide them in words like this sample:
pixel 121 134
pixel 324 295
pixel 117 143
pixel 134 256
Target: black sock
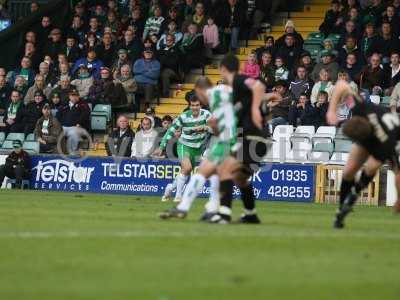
pixel 226 189
pixel 363 182
pixel 345 189
pixel 248 197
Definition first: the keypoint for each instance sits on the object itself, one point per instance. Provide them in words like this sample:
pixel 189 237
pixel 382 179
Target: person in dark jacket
pixel 54 46
pixel 13 112
pixel 74 118
pixel 289 51
pixel 71 50
pixel 302 113
pixel 385 43
pixel 333 21
pixel 280 107
pixel 5 91
pixel 261 11
pixel 17 165
pixel 373 75
pixel 268 47
pixel 106 50
pixel 30 114
pixel 47 131
pixel 120 141
pixel 321 108
pixel 192 49
pixel 352 66
pixel 169 60
pixel 392 70
pixel 350 46
pixel 131 43
pixel 301 85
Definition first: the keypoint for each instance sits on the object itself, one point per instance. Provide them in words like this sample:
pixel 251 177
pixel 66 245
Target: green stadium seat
pixel 323 147
pixel 334 37
pixel 342 145
pixel 385 101
pixel 313 49
pixel 2 137
pixel 101 110
pixel 31 147
pixel 30 137
pixel 13 136
pixel 7 145
pixel 98 122
pixel 314 38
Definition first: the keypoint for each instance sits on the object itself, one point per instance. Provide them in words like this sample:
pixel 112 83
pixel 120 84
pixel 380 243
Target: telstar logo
pixel 62 171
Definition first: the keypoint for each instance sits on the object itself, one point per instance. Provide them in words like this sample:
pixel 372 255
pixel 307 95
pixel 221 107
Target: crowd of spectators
pixel 126 53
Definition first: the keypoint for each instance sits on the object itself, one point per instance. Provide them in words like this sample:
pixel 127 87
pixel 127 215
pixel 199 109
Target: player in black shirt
pixel 248 95
pixel 376 132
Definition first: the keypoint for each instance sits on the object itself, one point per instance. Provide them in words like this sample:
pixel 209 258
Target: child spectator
pixel 324 84
pixel 251 68
pixel 281 72
pixel 211 38
pixel 321 108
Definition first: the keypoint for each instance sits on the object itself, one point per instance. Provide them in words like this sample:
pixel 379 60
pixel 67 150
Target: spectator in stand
pixel 199 18
pixel 343 75
pixel 373 75
pixel 105 91
pixel 30 114
pixel 393 71
pixel 147 73
pixel 385 43
pixel 289 51
pixel 333 21
pixel 349 30
pixel 375 11
pixel 280 108
pixel 268 47
pixel 291 31
pixel 49 78
pixel 154 24
pixel 120 61
pixel 33 9
pixel 302 113
pixel 25 71
pixel 17 165
pixel 172 29
pixel 47 131
pixel 151 112
pixel 136 21
pixel 251 68
pixel 94 29
pixel 31 52
pixel 113 23
pixel 281 72
pixel 169 60
pixel 145 140
pixel 77 30
pixel 105 51
pixel 323 84
pixel 211 37
pixel 369 38
pixel 395 98
pixel 13 112
pixel 352 67
pixel 99 13
pixel 393 20
pixel 63 88
pixel 187 9
pixel 326 63
pixel 5 92
pixel 166 123
pixel 173 16
pixel 192 48
pixel 55 103
pixel 54 46
pixel 231 17
pixel 91 41
pixel 321 108
pixel 121 139
pixel 43 30
pixel 306 62
pixel 328 45
pixel 261 11
pixel 83 82
pixel 301 84
pixel 129 84
pixel 38 86
pixel 20 85
pixel 349 47
pixel 267 70
pixel 94 65
pixel 132 44
pixel 74 118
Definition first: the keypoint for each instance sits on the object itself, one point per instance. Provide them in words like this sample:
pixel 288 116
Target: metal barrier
pixel 328 180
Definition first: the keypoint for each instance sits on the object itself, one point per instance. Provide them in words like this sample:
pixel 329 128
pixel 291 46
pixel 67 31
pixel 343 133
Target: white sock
pixel 213 202
pixel 193 188
pixel 170 187
pixel 180 183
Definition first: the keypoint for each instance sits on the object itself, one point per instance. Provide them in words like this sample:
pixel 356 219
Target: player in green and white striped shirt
pixel 223 122
pixel 194 133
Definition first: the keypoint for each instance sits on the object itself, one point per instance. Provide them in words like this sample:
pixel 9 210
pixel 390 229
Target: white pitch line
pixel 183 234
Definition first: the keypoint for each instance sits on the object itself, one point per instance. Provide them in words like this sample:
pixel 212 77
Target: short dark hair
pixel 167 118
pixel 357 128
pixel 203 82
pixel 194 99
pixel 230 62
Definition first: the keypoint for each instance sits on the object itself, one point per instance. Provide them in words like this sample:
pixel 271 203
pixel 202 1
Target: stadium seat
pixel 278 151
pixel 385 101
pixel 98 122
pixel 319 156
pixel 7 145
pixel 313 49
pixel 2 137
pixel 304 145
pixel 16 136
pixel 31 147
pixel 324 134
pixel 339 158
pixel 101 110
pixel 334 37
pixel 284 131
pixel 323 147
pixel 315 37
pixel 306 132
pixel 30 137
pixel 297 156
pixel 342 145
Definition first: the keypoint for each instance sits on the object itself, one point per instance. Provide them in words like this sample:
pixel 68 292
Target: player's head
pixel 201 86
pixel 195 105
pixel 357 128
pixel 228 67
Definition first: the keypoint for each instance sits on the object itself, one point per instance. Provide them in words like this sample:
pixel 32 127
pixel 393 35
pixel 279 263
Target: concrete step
pixel 298 28
pixel 299 23
pixel 178 101
pixel 170 108
pixel 302 14
pixel 321 8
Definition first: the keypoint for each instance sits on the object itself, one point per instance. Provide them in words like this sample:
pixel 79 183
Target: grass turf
pixel 74 246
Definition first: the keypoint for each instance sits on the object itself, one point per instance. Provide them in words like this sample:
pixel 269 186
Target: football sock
pixel 192 189
pixel 345 189
pixel 363 182
pixel 248 198
pixel 170 187
pixel 180 183
pixel 213 202
pixel 226 190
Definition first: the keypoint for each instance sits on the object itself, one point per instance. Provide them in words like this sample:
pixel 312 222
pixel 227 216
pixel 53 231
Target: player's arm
pixel 258 89
pixel 342 88
pixel 176 126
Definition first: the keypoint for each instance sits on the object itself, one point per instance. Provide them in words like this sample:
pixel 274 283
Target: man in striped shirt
pixel 194 133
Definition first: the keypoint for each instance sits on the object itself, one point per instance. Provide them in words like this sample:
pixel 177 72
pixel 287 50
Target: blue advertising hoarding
pixel 279 182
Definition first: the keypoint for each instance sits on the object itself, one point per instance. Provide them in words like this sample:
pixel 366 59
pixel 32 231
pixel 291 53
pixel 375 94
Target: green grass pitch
pixel 86 246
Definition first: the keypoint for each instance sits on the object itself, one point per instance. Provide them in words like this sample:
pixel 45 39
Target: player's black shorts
pixel 380 153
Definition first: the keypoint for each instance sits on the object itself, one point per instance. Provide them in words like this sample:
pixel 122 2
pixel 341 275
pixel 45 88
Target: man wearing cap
pixel 326 63
pixel 38 86
pixel 17 165
pixel 47 131
pixel 74 118
pixel 120 61
pixel 147 73
pixel 91 62
pixel 83 82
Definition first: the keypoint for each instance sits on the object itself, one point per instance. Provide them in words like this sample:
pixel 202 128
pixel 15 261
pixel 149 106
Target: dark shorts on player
pixel 381 153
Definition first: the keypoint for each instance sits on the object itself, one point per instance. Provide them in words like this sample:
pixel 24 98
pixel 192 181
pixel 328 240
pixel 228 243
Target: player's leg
pixel 357 157
pixel 396 207
pixel 212 205
pixel 185 156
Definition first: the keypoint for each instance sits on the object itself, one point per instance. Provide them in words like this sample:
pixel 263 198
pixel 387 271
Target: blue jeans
pixel 234 38
pixel 278 121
